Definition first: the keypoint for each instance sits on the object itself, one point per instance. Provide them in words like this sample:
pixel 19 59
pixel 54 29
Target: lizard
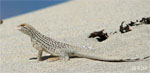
pixel 62 50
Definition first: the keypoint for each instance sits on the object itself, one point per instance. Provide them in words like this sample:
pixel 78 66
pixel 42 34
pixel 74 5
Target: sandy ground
pixel 72 22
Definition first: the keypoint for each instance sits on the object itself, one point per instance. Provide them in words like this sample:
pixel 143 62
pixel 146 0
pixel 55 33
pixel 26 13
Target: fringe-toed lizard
pixel 62 50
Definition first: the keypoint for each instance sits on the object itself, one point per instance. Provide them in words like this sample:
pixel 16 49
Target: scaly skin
pixel 62 50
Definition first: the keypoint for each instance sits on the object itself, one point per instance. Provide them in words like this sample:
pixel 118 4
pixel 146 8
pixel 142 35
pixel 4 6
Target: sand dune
pixel 72 22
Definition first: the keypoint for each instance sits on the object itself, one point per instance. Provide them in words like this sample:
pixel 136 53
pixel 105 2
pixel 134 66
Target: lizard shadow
pixel 72 57
pixel 43 57
pixel 49 56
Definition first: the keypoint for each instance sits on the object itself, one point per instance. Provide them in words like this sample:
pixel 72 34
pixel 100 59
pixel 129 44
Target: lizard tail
pixel 96 56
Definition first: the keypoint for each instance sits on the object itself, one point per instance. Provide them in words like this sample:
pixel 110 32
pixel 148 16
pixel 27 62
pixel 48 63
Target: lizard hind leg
pixel 64 57
pixel 39 55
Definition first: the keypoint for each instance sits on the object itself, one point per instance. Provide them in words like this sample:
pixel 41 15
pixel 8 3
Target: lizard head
pixel 25 28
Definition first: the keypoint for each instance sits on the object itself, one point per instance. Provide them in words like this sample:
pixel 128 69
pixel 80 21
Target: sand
pixel 72 22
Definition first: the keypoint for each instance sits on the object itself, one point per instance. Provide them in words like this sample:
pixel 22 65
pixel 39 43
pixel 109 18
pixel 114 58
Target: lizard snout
pixel 18 27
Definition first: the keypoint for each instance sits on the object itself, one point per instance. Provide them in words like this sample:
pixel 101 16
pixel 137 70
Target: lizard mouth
pixel 19 27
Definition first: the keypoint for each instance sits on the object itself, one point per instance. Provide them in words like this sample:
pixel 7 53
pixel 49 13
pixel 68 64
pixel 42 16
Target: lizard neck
pixel 34 34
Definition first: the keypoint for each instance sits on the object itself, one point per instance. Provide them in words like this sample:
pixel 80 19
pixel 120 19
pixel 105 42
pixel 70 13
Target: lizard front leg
pixel 39 55
pixel 40 51
pixel 64 56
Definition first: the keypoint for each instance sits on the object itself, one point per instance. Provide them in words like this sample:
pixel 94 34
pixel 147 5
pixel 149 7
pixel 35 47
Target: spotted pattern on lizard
pixel 62 50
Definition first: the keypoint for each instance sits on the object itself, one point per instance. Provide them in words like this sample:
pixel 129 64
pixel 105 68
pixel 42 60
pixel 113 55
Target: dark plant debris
pixel 113 32
pixel 96 34
pixel 103 37
pixel 124 29
pixel 100 34
pixel 145 20
pixel 132 23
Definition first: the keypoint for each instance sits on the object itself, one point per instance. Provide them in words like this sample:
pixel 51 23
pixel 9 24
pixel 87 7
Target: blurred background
pixel 10 8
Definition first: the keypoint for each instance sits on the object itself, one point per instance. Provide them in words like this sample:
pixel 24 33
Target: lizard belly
pixel 39 47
